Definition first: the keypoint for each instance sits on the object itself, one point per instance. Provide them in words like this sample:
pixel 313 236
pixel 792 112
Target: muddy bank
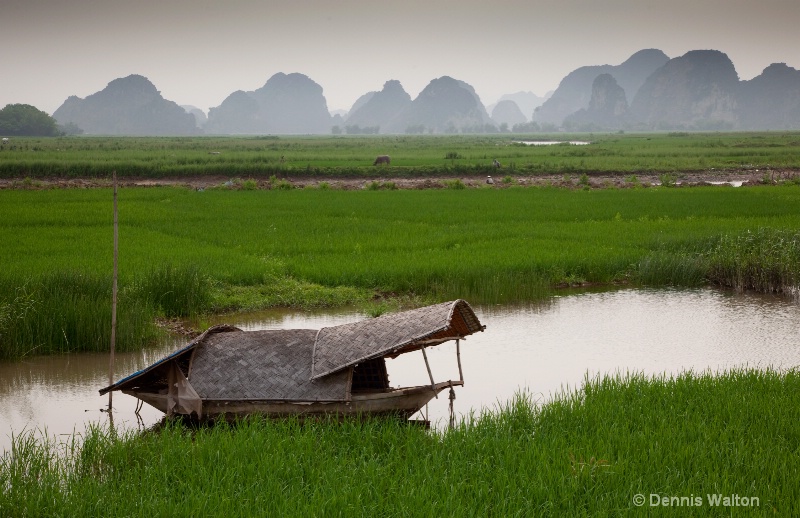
pixel 500 180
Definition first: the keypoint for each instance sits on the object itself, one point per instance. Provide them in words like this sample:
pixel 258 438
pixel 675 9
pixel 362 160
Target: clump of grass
pixel 27 183
pixel 793 179
pixel 456 184
pixel 284 292
pixel 765 259
pixel 249 185
pixel 177 291
pixel 381 186
pixel 377 309
pixel 280 183
pixel 667 179
pixel 69 312
pixel 663 268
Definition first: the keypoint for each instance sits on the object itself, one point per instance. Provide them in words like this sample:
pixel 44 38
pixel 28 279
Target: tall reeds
pixel 70 311
pixel 583 452
pixel 175 291
pixel 762 259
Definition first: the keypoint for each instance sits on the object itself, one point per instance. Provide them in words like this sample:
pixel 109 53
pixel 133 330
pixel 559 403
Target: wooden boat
pixel 227 372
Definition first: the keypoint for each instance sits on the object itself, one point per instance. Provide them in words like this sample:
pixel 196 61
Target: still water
pixel 552 142
pixel 541 348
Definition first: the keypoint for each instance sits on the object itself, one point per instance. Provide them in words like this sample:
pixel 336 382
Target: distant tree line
pixel 24 120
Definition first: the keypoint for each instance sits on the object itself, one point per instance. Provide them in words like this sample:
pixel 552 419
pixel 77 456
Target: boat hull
pixel 401 402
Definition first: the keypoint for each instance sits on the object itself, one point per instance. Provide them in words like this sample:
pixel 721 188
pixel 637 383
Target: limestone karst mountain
pixel 286 104
pixel 770 101
pixel 361 101
pixel 200 116
pixel 507 112
pixel 648 92
pixel 608 107
pixel 526 101
pixel 445 105
pixel 575 90
pixel 697 90
pixel 380 109
pixel 127 106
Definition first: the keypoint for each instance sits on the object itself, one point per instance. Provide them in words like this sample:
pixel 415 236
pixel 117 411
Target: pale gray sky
pixel 199 51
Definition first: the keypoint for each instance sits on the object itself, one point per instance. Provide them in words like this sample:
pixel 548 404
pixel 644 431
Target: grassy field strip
pixel 411 155
pixel 617 442
pixel 184 252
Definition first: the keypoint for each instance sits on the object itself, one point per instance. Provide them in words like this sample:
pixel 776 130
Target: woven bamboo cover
pixel 273 364
pixel 342 346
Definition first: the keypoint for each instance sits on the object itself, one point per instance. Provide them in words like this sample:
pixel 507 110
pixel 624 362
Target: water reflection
pixel 542 348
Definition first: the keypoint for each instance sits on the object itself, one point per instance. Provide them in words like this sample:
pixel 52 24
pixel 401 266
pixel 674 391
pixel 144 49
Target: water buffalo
pixel 382 159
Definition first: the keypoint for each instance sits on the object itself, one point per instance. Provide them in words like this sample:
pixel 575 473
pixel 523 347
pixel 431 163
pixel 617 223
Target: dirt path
pixel 736 178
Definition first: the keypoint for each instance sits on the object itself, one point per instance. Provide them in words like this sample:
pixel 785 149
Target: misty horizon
pixel 197 52
pixel 356 96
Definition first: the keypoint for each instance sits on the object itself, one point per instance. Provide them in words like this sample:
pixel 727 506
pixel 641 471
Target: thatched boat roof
pixel 389 335
pixel 226 363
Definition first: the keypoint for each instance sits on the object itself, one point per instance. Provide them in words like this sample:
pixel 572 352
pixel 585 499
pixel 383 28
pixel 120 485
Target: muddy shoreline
pixel 590 180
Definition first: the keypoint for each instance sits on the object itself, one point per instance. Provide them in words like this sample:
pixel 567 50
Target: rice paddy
pixel 412 156
pixel 618 446
pixel 185 253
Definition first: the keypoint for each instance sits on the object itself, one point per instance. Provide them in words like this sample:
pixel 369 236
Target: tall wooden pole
pixel 113 297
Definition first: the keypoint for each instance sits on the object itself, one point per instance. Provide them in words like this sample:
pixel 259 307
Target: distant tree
pixel 69 128
pixel 26 120
pixel 526 127
pixel 355 129
pixel 336 130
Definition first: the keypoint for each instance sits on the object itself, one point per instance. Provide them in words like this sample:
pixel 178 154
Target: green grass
pixel 68 311
pixel 764 259
pixel 584 453
pixel 186 253
pixel 412 156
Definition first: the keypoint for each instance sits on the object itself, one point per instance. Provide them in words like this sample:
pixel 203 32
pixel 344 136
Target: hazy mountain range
pixel 649 91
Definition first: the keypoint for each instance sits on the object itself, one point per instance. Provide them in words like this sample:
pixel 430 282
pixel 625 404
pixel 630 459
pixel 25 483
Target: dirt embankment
pixel 594 180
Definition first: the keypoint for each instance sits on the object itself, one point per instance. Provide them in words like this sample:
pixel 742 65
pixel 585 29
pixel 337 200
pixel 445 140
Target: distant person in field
pixel 382 159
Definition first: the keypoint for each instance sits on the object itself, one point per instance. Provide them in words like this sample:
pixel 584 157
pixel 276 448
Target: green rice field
pixel 186 253
pixel 696 444
pixel 412 156
pixel 620 445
